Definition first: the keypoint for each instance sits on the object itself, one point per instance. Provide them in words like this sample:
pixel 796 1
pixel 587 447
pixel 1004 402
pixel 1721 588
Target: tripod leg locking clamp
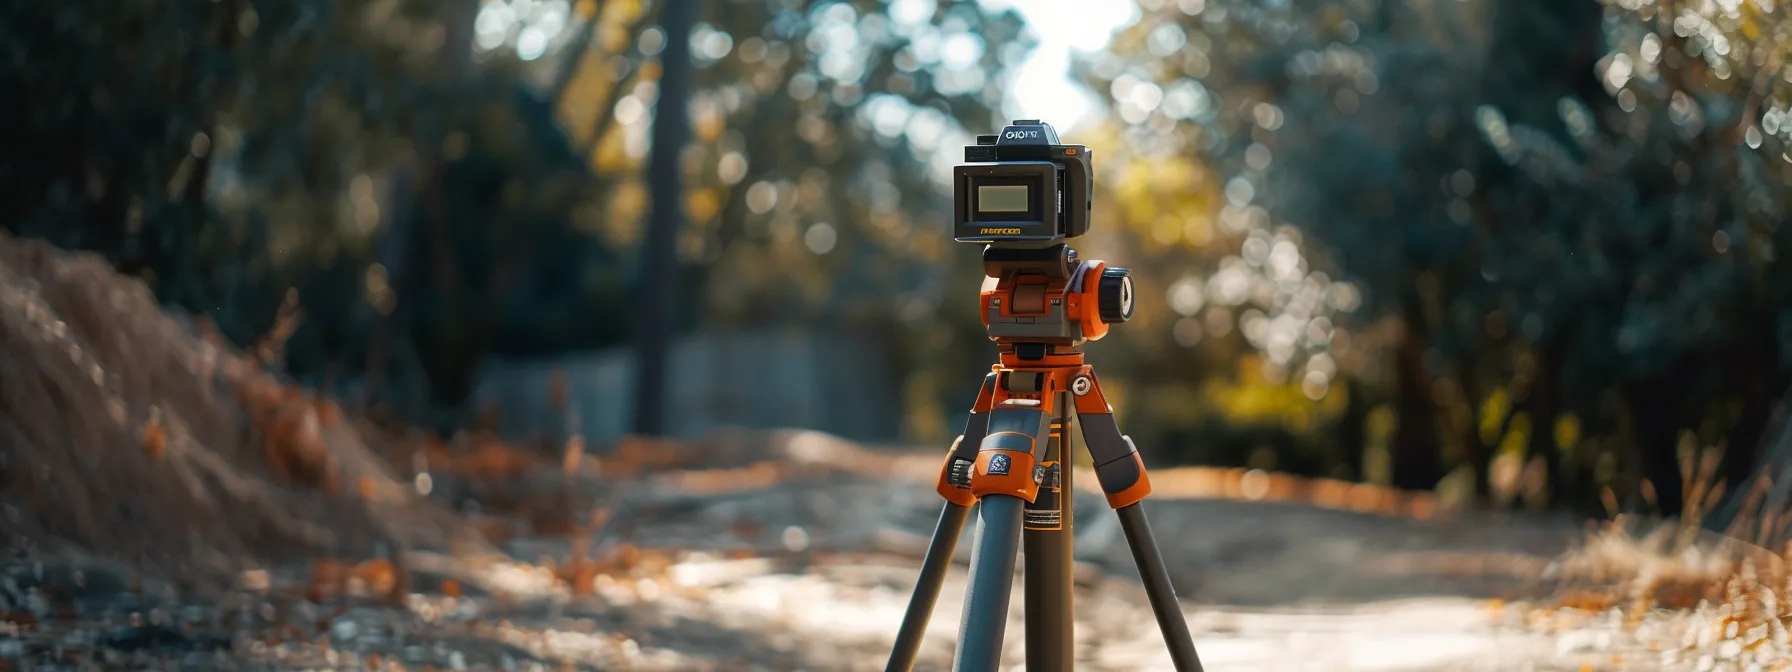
pixel 1009 452
pixel 1005 467
pixel 959 473
pixel 1048 477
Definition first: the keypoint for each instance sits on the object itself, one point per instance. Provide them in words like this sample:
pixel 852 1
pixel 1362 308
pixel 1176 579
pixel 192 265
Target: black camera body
pixel 1022 189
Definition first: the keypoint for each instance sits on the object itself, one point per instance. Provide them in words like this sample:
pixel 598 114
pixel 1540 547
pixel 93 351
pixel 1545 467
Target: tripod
pixel 1015 459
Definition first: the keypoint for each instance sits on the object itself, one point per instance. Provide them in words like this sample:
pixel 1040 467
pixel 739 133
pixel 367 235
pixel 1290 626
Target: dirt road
pixel 820 579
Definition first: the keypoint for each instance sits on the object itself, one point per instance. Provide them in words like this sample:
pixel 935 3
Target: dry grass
pixel 1715 601
pixel 129 434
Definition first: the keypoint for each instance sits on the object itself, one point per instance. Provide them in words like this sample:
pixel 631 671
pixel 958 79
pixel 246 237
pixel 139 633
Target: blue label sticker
pixel 998 465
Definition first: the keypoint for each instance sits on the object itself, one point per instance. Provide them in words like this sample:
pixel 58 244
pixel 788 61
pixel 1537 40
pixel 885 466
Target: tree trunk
pixel 419 256
pixel 1656 421
pixel 1544 408
pixel 1476 452
pixel 1415 451
pixel 1353 428
pixel 658 292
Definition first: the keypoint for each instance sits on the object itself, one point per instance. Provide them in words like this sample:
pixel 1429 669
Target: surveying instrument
pixel 1022 195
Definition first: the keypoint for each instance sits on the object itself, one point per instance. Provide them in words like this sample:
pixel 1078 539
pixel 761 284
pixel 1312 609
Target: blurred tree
pixel 659 284
pixel 1559 260
pixel 823 138
pixel 227 151
pixel 1701 97
pixel 1408 242
pixel 446 180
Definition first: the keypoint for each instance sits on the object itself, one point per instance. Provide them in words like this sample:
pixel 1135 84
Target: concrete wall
pixel 761 380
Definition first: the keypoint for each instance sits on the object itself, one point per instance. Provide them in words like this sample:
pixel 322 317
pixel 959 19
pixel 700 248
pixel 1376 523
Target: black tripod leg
pixel 1047 582
pixel 1158 589
pixel 927 589
pixel 1122 476
pixel 954 483
pixel 985 619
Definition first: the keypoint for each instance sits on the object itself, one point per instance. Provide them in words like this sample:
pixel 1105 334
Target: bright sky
pixel 1042 88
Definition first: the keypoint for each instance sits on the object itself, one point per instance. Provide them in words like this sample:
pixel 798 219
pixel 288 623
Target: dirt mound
pixel 125 434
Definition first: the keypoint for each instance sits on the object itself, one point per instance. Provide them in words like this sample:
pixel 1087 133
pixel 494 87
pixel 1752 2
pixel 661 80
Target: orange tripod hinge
pixel 1005 472
pixel 1135 493
pixel 945 487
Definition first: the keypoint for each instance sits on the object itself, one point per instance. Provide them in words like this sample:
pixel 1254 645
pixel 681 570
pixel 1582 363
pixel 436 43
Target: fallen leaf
pixel 575 449
pixel 155 439
pixel 381 576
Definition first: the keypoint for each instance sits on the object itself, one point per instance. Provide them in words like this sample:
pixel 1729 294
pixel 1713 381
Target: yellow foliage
pixel 1249 399
pixel 586 90
pixel 1567 431
pixel 1198 231
pixel 1332 404
pixel 1516 436
pixel 626 9
pixel 618 14
pixel 611 155
pixel 1168 230
pixel 1381 423
pixel 929 248
pixel 703 205
pixel 1457 489
pixel 1114 389
pixel 1378 465
pixel 709 124
pixel 1751 18
pixel 1333 16
pixel 1167 200
pixel 626 208
pixel 649 72
pixel 1493 413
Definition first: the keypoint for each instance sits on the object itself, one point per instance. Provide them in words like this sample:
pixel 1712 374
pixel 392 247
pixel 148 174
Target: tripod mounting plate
pixel 1025 301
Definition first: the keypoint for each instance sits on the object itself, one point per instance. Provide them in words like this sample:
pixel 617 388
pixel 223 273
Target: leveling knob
pixel 1113 295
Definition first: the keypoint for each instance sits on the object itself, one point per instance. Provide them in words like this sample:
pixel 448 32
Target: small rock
pixel 796 539
pixel 345 629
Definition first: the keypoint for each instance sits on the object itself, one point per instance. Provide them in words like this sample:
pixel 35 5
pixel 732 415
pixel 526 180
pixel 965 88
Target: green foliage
pixel 1572 212
pixel 1389 240
pixel 404 166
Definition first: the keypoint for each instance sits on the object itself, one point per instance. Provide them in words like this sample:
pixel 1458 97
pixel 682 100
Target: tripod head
pixel 1023 195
